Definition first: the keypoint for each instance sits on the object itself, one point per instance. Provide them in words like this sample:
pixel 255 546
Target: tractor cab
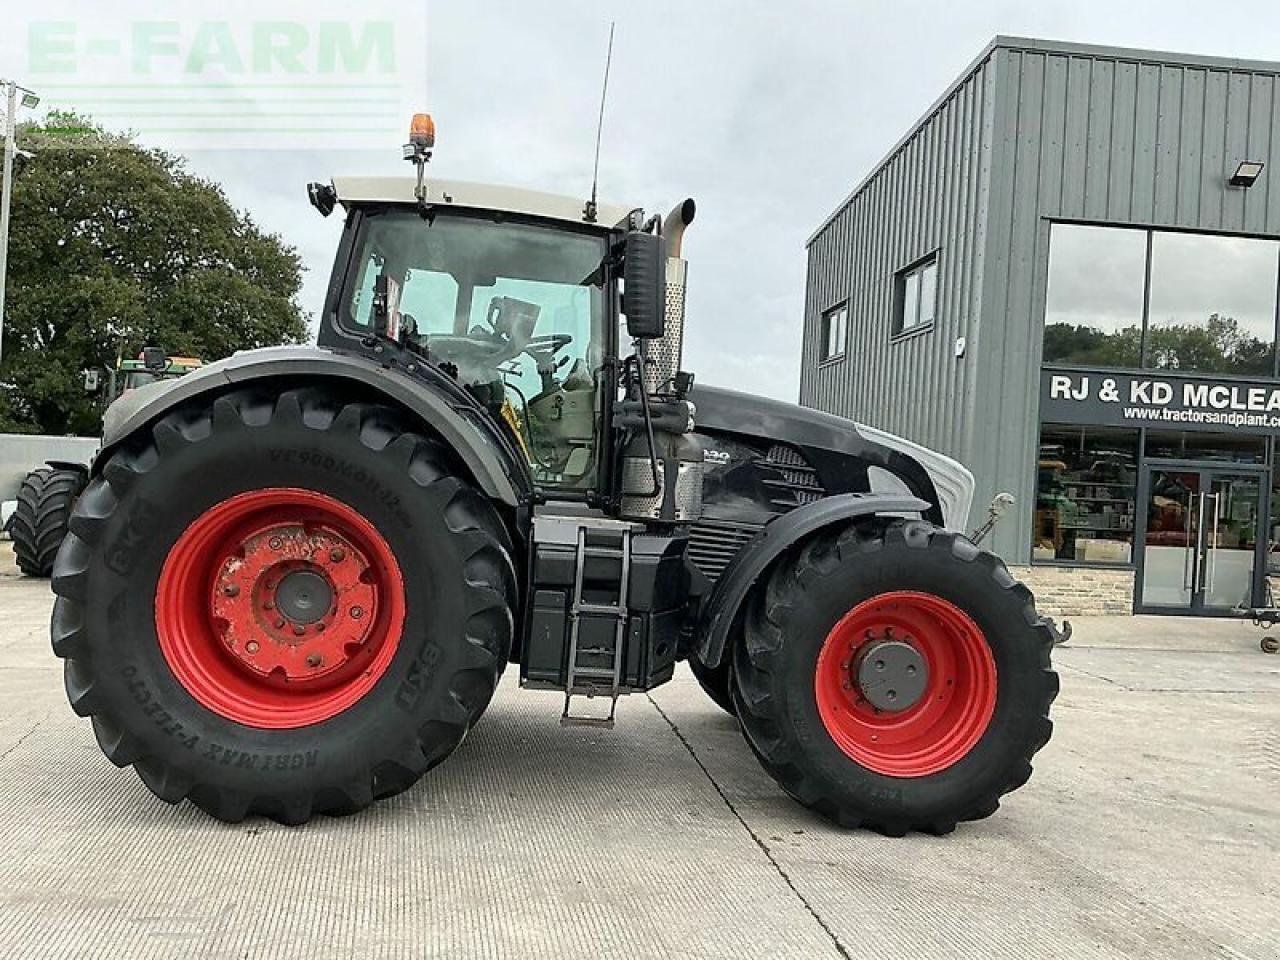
pixel 517 307
pixel 514 294
pixel 151 366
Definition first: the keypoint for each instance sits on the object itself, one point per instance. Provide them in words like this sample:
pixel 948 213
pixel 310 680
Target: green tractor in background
pixel 48 494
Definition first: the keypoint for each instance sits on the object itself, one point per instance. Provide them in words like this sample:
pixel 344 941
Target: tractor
pixel 48 493
pixel 296 575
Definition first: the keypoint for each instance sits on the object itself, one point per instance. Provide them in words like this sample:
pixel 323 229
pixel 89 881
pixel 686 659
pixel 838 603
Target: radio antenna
pixel 591 209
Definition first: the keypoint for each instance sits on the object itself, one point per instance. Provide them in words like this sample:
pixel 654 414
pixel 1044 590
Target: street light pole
pixel 6 195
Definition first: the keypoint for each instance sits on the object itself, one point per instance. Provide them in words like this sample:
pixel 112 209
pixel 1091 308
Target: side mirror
pixel 155 359
pixel 644 295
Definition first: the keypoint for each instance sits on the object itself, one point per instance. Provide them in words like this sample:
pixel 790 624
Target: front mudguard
pixel 754 560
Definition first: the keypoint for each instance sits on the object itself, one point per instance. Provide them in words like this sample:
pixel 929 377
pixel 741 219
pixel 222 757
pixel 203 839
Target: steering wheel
pixel 544 347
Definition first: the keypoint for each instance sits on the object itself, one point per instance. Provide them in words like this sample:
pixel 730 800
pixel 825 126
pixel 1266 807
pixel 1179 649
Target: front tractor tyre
pixel 894 676
pixel 715 682
pixel 39 523
pixel 282 604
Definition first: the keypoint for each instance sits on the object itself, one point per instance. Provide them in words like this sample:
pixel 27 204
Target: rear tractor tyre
pixel 39 523
pixel 894 676
pixel 282 604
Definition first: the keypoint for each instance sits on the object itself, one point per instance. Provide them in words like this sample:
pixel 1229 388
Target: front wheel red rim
pixel 279 608
pixel 932 715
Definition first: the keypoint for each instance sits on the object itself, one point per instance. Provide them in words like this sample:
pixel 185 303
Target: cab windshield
pixel 516 308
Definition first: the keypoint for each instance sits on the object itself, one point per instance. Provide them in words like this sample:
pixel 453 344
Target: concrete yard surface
pixel 1150 829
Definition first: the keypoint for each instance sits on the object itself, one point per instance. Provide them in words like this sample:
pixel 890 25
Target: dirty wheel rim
pixel 279 608
pixel 941 719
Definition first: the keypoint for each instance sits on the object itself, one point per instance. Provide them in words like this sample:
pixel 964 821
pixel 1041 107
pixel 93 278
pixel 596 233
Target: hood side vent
pixel 789 478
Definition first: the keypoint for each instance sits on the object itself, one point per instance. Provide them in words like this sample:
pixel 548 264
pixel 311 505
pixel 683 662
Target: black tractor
pixel 296 575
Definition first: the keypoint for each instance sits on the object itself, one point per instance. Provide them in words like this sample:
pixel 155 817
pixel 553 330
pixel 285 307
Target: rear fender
pixel 442 406
pixel 758 556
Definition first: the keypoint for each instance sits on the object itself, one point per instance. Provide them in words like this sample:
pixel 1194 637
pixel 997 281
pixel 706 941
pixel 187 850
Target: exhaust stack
pixel 665 354
pixel 663 464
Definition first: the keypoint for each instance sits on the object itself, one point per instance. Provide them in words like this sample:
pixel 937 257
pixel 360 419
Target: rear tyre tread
pixel 490 582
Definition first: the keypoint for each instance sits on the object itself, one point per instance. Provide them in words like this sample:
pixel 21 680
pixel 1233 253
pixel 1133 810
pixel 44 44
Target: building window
pixel 1093 309
pixel 1185 302
pixel 917 295
pixel 1086 483
pixel 1213 304
pixel 835 330
pixel 1191 445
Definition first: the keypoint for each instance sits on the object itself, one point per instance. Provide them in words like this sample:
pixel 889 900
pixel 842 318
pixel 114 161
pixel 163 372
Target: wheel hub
pixel 294 602
pixel 891 675
pixel 303 596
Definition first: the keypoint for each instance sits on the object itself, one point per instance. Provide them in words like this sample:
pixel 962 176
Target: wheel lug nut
pixel 231 590
pixel 251 647
pixel 268 605
pixel 279 624
pixel 299 630
pixel 314 660
pixel 275 543
pixel 357 613
pixel 337 555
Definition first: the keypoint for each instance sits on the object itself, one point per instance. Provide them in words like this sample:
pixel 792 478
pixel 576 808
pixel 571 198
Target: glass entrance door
pixel 1232 509
pixel 1200 544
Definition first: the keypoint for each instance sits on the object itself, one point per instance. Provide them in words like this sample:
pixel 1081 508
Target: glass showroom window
pixel 835 330
pixel 917 295
pixel 1085 488
pixel 1194 445
pixel 1093 310
pixel 1213 304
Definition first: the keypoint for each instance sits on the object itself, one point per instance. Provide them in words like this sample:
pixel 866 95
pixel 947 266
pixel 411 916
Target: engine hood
pixel 922 472
pixel 735 412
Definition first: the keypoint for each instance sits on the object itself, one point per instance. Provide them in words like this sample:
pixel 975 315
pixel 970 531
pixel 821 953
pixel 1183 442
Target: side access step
pixel 586 676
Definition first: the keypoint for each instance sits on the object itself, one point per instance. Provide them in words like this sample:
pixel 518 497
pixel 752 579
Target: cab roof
pixel 475 196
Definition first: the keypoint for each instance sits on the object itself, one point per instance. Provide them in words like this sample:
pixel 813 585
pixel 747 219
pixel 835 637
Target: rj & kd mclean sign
pixel 1175 403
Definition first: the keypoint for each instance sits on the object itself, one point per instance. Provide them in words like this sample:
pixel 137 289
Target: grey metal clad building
pixel 1065 275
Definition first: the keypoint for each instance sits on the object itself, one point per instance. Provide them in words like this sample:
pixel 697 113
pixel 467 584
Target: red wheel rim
pixel 950 715
pixel 279 608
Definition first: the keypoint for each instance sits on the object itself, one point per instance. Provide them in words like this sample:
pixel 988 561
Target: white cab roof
pixel 478 196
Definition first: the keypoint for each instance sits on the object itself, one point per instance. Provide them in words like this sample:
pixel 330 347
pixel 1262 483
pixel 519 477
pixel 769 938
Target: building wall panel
pixel 928 196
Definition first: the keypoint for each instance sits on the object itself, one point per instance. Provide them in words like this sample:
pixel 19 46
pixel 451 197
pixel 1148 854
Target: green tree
pixel 114 246
pixel 1090 346
pixel 1217 346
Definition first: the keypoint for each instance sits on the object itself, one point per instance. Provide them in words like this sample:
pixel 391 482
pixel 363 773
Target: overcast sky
pixel 766 114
